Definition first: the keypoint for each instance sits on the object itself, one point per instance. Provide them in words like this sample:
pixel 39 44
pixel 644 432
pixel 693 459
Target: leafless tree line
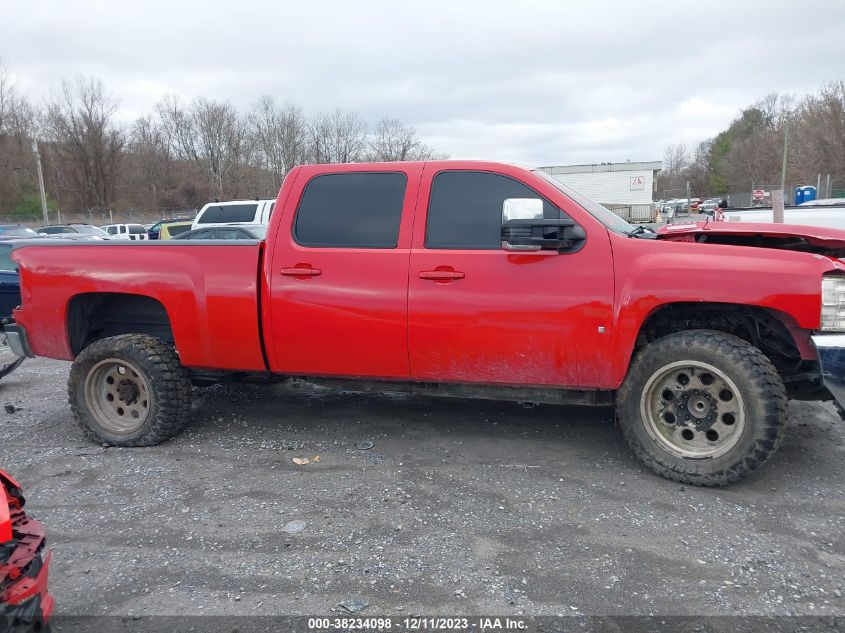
pixel 180 155
pixel 750 151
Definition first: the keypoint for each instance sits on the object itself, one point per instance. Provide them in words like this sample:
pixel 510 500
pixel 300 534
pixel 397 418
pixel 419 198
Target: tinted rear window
pixel 137 229
pixel 229 213
pixel 354 210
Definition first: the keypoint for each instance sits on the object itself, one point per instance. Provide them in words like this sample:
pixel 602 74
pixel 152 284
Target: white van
pixel 251 211
pixel 126 231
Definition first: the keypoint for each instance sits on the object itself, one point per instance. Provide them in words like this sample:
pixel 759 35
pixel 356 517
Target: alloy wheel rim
pixel 119 395
pixel 693 410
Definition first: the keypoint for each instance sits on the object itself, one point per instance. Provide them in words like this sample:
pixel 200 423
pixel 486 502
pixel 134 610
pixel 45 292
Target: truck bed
pixel 209 290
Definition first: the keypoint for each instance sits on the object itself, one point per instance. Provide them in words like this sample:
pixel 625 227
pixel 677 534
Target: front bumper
pixel 831 351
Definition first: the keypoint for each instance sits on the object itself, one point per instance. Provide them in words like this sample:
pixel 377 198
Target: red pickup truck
pixel 457 278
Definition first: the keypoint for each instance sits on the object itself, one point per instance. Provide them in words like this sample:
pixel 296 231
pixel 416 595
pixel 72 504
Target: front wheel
pixel 702 407
pixel 129 390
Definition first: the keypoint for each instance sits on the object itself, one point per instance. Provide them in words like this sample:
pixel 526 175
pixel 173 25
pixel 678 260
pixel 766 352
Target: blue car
pixel 10 298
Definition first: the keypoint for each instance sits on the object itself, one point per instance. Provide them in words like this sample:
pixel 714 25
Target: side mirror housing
pixel 525 230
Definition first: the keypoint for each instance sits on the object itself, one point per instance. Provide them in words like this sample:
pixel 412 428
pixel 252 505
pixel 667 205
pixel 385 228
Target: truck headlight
pixel 833 304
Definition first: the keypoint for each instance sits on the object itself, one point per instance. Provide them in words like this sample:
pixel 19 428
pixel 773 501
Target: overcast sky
pixel 534 82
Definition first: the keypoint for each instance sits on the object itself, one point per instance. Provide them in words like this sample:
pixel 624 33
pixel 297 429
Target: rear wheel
pixel 129 390
pixel 702 407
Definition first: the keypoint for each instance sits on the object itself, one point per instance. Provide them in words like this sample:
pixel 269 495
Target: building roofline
pixel 654 165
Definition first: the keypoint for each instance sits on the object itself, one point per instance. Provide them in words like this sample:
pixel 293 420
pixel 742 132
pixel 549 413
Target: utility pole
pixel 778 198
pixel 41 182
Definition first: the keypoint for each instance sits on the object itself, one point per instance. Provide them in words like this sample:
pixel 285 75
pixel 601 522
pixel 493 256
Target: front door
pixel 480 314
pixel 339 274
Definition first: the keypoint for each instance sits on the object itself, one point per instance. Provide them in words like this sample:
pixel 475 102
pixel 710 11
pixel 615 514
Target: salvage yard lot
pixel 459 507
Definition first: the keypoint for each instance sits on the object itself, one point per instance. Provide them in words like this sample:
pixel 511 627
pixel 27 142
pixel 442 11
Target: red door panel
pixel 492 316
pixel 341 311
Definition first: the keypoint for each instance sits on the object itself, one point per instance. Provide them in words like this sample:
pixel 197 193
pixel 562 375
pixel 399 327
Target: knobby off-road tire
pixel 129 390
pixel 702 407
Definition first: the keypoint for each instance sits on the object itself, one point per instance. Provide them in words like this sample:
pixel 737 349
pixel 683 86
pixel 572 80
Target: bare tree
pixel 175 157
pixel 80 123
pixel 676 158
pixel 279 137
pixel 151 158
pixel 212 134
pixel 676 161
pixel 339 137
pixel 17 122
pixel 7 95
pixel 817 139
pixel 392 141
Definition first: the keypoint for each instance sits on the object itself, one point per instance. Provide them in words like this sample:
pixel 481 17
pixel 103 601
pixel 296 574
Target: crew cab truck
pixel 456 278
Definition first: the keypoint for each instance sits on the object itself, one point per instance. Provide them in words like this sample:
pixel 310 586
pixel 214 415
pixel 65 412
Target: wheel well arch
pixel 96 315
pixel 774 333
pixel 754 324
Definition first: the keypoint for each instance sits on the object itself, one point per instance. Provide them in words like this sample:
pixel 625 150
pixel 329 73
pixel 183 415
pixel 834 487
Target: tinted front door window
pixel 465 209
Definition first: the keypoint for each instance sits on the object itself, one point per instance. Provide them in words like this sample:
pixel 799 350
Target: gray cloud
pixel 537 82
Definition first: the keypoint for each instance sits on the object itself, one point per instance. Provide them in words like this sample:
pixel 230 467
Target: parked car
pixel 171 230
pixel 16 231
pixel 243 231
pixel 710 206
pixel 10 298
pixel 126 231
pixel 251 211
pixel 155 229
pixel 457 278
pixel 25 602
pixel 70 231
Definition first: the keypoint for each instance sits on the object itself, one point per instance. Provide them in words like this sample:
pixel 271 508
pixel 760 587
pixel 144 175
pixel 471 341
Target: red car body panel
pixel 543 318
pixel 23 574
pixel 827 237
pixel 656 273
pixel 514 318
pixel 352 318
pixel 210 294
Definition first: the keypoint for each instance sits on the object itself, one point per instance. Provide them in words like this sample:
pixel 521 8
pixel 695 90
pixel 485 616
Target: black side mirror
pixel 525 230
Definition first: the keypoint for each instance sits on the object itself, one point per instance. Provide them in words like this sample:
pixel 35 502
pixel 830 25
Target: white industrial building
pixel 626 188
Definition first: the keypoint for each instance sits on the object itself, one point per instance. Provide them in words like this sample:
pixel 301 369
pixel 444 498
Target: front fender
pixel 652 274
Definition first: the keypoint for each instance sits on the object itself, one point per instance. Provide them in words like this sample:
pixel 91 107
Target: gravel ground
pixel 459 507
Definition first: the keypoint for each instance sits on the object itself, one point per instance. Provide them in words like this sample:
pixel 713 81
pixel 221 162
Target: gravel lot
pixel 459 507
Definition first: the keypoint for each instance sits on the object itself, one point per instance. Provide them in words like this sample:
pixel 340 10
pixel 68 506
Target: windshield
pixel 605 216
pixel 90 230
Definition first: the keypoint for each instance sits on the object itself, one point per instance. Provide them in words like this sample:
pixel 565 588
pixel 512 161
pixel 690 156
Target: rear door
pixel 338 275
pixel 480 314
